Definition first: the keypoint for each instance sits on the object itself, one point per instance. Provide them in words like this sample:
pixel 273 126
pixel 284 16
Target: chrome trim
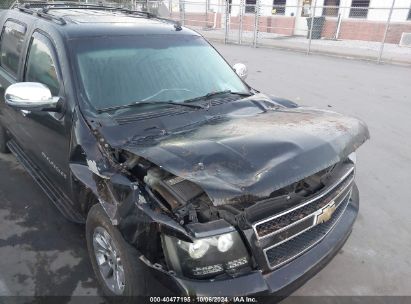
pixel 309 247
pixel 315 215
pixel 30 96
pixel 241 70
pixel 300 206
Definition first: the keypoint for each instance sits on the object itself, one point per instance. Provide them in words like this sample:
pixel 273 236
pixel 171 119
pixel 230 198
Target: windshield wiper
pixel 138 103
pixel 217 93
pixel 182 104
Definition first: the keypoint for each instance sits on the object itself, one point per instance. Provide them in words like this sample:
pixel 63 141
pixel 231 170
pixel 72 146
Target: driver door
pixel 46 133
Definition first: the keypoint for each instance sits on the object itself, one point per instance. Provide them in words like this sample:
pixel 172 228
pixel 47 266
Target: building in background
pixel 344 19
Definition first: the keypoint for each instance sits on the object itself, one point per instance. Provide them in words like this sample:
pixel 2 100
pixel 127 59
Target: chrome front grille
pixel 288 234
pixel 285 252
pixel 310 209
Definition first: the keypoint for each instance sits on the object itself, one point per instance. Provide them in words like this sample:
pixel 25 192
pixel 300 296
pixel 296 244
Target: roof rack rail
pixel 41 13
pixel 47 16
pixel 100 7
pixel 44 8
pixel 76 5
pixel 41 3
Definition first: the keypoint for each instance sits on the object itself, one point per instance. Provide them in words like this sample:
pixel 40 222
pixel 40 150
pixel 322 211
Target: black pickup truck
pixel 182 173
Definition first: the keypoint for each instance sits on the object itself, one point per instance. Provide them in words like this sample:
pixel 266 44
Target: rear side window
pixel 41 66
pixel 11 45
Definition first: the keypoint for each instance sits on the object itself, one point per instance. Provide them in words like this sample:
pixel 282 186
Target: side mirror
pixel 241 70
pixel 31 96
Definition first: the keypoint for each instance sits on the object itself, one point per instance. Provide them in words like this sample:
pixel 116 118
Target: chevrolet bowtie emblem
pixel 327 212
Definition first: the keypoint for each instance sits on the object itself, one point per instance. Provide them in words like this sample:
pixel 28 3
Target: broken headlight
pixel 207 257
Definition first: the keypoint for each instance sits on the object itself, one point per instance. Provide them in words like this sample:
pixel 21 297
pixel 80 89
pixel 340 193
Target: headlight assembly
pixel 197 249
pixel 225 242
pixel 206 257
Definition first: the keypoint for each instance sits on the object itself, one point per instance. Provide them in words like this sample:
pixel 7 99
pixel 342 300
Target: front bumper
pixel 280 282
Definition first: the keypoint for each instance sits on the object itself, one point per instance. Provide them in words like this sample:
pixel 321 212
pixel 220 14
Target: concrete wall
pixel 366 30
pixel 272 24
pixel 200 20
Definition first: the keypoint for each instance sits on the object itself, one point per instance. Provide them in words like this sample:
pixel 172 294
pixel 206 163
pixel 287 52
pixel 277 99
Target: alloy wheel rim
pixel 108 261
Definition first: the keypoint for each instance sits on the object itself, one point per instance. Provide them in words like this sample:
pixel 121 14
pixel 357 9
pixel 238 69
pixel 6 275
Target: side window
pixel 11 45
pixel 40 66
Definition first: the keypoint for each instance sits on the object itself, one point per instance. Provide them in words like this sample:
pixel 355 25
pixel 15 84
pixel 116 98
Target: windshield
pixel 118 71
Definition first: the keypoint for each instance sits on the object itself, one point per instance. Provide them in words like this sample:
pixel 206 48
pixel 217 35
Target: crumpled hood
pixel 249 151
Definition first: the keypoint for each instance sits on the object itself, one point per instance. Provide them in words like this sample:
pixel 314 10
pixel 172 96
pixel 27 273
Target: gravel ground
pixel 43 254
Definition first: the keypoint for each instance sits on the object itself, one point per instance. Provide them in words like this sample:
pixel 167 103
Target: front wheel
pixel 116 264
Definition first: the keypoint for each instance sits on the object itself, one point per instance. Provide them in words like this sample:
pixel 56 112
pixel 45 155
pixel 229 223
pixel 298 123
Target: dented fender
pixel 125 202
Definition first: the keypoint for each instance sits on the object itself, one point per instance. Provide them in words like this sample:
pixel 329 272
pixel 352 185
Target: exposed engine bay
pixel 188 203
pixel 187 196
pixel 189 206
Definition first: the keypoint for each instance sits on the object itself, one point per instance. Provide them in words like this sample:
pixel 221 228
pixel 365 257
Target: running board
pixel 59 199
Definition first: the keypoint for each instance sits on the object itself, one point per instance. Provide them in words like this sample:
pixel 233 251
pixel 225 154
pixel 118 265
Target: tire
pixel 134 277
pixel 3 140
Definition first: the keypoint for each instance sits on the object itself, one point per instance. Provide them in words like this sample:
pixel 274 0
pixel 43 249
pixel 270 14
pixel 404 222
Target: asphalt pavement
pixel 43 254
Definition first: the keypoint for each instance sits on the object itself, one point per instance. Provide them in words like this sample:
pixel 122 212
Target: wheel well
pixel 87 199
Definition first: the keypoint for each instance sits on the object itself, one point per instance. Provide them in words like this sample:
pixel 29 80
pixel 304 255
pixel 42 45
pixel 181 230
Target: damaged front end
pixel 155 209
pixel 226 196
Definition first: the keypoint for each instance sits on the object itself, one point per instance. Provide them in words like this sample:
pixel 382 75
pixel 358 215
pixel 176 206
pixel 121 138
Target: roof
pixel 89 20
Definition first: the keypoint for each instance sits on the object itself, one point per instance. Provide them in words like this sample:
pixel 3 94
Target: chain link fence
pixel 380 33
pixel 5 4
pixel 378 30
